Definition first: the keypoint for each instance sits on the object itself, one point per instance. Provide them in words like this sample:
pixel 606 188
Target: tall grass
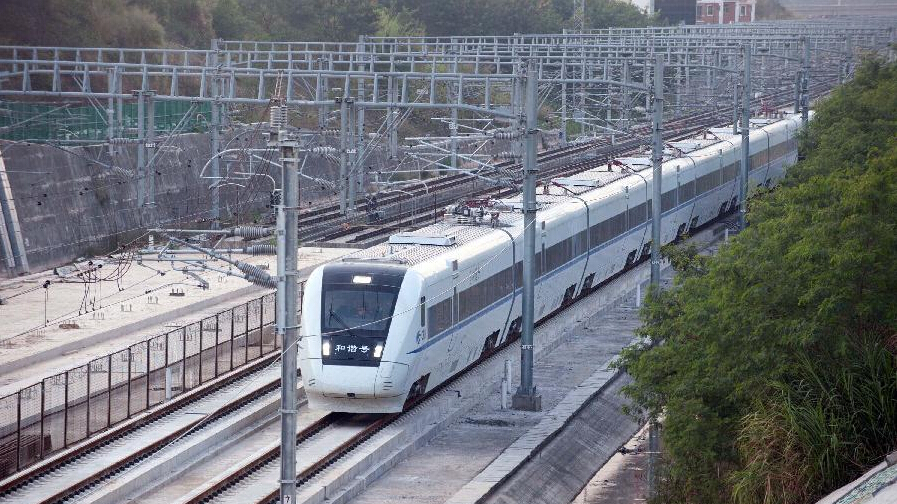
pixel 810 435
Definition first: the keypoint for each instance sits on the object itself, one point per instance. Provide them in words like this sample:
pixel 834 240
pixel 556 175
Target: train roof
pixel 414 247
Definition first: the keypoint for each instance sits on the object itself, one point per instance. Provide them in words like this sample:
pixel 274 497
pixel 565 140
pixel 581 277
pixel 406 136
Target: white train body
pixel 400 318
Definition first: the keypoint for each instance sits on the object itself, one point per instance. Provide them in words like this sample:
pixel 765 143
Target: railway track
pixel 319 445
pixel 84 469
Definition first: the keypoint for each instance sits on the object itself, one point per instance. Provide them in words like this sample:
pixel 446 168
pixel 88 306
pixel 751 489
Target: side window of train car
pixel 729 172
pixel 618 225
pixel 668 200
pixel 707 182
pixel 506 282
pixel 687 191
pixel 638 215
pixel 581 244
pixel 440 315
pixel 471 300
pixel 558 254
pixel 595 235
pixel 759 159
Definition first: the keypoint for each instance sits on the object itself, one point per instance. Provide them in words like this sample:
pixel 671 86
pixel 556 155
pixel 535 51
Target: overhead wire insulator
pixel 123 141
pixel 507 155
pixel 279 117
pixel 264 281
pixel 256 274
pixel 330 132
pixel 507 135
pixel 260 249
pixel 323 150
pixel 252 232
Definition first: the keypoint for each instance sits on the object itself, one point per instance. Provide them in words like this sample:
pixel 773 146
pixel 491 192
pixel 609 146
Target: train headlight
pixel 378 350
pixel 325 347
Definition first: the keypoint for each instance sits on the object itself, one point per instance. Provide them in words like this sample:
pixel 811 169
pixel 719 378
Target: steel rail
pixel 59 462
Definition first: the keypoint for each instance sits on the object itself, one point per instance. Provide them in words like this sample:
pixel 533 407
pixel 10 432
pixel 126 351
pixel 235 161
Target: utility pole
pixel 656 216
pixel 526 397
pixel 805 85
pixel 579 16
pixel 110 110
pixel 343 149
pixel 735 111
pixel 287 322
pixel 150 181
pixel 453 128
pixel 657 165
pixel 141 96
pixel 745 139
pixel 215 132
pixel 563 128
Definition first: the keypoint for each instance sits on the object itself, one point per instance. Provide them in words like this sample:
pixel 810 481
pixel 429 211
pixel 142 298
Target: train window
pixel 365 310
pixel 440 316
pixel 637 215
pixel 758 160
pixel 707 182
pixel 423 311
pixel 558 254
pixel 687 191
pixel 470 301
pixel 619 223
pixel 484 293
pixel 507 282
pixel 595 235
pixel 581 244
pixel 729 172
pixel 668 200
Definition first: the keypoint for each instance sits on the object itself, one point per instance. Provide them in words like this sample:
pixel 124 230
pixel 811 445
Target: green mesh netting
pixel 75 123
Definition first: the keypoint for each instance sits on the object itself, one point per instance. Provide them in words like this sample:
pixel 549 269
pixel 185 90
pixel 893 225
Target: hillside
pixel 192 23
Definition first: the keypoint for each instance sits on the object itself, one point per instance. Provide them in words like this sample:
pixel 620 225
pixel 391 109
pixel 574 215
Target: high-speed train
pixel 389 323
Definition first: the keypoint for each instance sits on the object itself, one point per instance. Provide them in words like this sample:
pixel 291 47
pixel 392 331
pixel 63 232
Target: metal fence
pixel 46 417
pixel 67 122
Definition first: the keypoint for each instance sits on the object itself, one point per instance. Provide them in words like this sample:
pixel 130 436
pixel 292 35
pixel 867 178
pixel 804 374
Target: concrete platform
pixel 117 314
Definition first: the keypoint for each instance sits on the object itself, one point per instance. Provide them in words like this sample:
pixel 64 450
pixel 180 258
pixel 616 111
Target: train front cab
pixel 347 358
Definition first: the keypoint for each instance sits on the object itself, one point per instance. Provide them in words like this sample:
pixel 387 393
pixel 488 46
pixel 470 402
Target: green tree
pixel 78 23
pixel 187 23
pixel 395 21
pixel 617 13
pixel 231 22
pixel 770 341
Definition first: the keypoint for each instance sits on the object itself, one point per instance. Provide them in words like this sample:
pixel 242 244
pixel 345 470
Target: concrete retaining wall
pixel 71 204
pixel 82 201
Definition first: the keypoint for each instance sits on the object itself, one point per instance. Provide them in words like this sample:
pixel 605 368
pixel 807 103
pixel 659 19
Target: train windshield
pixel 362 310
